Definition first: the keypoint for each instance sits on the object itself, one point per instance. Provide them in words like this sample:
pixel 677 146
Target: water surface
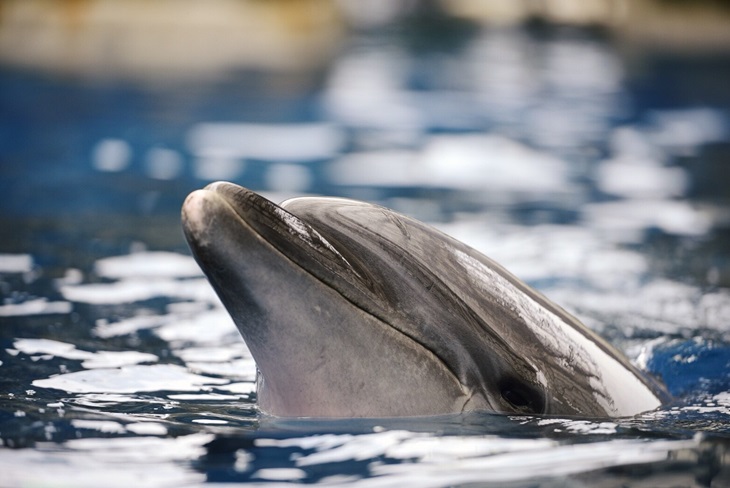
pixel 601 185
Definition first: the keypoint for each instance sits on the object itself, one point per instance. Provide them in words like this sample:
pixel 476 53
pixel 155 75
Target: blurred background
pixel 608 115
pixel 583 144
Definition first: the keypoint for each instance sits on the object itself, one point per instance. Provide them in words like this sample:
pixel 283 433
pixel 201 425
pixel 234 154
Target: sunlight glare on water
pixel 589 164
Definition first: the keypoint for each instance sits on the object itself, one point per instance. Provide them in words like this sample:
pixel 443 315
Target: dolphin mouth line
pixel 297 228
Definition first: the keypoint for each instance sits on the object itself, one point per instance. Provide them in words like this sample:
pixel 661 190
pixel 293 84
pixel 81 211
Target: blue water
pixel 599 181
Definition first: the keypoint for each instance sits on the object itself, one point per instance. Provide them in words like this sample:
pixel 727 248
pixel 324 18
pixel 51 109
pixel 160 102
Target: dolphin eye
pixel 524 397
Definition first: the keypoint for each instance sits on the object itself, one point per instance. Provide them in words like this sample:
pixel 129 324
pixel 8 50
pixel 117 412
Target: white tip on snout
pixel 213 186
pixel 193 208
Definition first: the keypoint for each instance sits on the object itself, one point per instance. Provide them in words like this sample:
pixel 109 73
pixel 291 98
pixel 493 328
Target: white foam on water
pixel 631 142
pixel 548 461
pixel 146 450
pixel 138 289
pixel 218 165
pixel 91 360
pixel 488 162
pixel 366 89
pixel 685 130
pixel 113 427
pixel 149 264
pixel 722 408
pixel 54 348
pixel 434 449
pixel 146 428
pixel 578 426
pixel 270 142
pixel 100 400
pixel 186 308
pixel 105 329
pixel 130 379
pixel 288 177
pixel 111 462
pixel 279 474
pixel 37 306
pixel 624 217
pixel 16 263
pixel 115 359
pixel 641 179
pixel 163 163
pixel 211 328
pixel 377 168
pixel 103 426
pixel 434 461
pixel 111 155
pixel 244 388
pixel 483 162
pixel 241 369
pixel 714 308
pixel 333 448
pixel 660 305
pixel 210 421
pixel 71 276
pixel 212 354
pixel 723 398
pixel 207 397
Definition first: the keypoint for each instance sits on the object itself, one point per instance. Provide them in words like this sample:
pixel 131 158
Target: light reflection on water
pixel 130 406
pixel 123 368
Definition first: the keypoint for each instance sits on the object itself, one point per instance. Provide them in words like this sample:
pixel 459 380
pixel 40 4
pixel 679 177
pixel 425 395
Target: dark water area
pixel 593 169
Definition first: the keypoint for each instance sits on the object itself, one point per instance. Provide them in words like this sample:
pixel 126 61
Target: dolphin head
pixel 351 309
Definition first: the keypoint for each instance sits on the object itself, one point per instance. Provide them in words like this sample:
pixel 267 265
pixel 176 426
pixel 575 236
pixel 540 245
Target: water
pixel 600 184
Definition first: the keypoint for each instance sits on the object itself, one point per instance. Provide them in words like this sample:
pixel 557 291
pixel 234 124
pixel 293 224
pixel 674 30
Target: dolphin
pixel 353 310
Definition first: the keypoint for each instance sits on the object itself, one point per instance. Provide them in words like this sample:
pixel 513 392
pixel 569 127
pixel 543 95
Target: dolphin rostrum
pixel 353 310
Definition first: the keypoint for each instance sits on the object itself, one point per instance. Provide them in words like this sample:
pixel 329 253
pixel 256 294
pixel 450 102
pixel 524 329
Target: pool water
pixel 601 184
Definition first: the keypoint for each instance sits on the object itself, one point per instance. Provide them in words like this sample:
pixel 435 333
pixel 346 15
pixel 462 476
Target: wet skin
pixel 353 310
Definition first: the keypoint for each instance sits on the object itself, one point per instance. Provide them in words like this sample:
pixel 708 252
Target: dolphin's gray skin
pixel 353 310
